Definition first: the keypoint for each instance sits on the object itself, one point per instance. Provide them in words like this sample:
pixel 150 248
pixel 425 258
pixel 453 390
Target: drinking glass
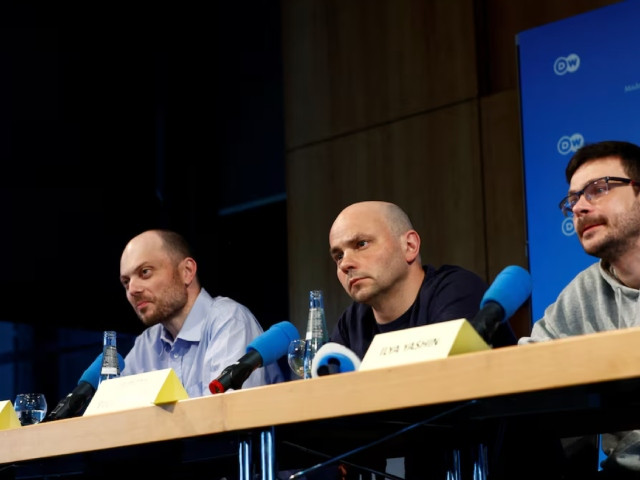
pixel 295 356
pixel 30 408
pixel 300 356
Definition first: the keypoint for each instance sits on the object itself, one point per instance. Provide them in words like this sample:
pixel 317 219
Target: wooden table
pixel 590 362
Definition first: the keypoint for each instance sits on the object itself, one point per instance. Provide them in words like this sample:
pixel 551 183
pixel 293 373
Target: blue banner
pixel 579 83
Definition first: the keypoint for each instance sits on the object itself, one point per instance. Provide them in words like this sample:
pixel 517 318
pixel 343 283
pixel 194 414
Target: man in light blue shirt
pixel 188 330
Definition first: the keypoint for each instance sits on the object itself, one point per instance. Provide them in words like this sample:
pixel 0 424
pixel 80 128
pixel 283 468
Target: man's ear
pixel 188 269
pixel 412 245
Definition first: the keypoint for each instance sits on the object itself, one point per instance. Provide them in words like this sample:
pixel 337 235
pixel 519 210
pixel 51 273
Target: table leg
pixel 244 459
pixel 267 454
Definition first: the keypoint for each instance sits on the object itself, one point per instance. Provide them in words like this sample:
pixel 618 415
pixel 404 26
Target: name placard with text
pixel 417 344
pixel 150 388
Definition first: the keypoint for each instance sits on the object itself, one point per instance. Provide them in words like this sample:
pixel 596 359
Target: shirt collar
pixel 191 330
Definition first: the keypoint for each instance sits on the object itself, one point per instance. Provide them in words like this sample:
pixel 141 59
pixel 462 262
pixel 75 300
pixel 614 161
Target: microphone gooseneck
pixel 488 320
pixel 75 402
pixel 510 289
pixel 263 350
pixel 235 375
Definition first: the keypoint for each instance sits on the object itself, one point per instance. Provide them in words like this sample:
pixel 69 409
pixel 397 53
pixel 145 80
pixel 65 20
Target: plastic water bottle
pixel 110 367
pixel 317 333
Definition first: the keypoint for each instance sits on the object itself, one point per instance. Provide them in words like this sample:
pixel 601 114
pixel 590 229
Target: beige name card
pixel 8 416
pixel 131 391
pixel 417 344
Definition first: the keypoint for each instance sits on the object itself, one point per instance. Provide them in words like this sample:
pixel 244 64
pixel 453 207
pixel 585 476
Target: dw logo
pixel 570 144
pixel 568 228
pixel 570 64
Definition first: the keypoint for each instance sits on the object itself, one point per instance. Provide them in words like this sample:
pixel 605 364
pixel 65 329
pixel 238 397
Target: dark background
pixel 106 131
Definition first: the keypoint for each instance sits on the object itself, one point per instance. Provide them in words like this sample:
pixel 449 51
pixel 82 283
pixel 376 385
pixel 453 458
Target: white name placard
pixel 417 344
pixel 143 389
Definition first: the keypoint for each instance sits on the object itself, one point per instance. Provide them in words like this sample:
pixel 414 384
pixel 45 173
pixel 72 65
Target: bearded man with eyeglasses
pixel 604 202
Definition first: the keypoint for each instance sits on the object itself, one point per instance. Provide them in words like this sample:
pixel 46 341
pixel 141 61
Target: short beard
pixel 170 302
pixel 621 240
pixel 611 249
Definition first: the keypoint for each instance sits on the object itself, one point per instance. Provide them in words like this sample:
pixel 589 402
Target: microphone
pixel 263 350
pixel 510 289
pixel 73 404
pixel 333 358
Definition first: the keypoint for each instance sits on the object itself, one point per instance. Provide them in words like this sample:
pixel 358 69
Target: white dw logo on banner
pixel 570 64
pixel 568 228
pixel 570 143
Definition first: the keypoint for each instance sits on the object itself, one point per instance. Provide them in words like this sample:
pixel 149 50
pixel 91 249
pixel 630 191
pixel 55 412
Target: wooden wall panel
pixel 428 164
pixel 353 64
pixel 504 191
pixel 503 182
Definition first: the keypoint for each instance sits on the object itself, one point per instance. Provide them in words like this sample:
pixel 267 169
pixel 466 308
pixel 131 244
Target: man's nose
pixel 581 206
pixel 133 287
pixel 347 262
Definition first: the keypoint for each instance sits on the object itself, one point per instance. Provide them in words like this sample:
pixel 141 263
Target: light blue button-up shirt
pixel 215 334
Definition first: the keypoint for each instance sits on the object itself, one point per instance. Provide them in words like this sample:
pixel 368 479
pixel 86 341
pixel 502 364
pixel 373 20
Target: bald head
pixel 146 240
pixel 168 242
pixel 386 213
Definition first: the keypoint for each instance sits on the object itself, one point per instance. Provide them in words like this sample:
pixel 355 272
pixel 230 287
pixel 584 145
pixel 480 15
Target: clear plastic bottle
pixel 110 366
pixel 317 333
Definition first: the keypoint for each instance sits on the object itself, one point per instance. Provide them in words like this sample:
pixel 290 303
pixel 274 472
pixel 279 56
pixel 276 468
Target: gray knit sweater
pixel 592 302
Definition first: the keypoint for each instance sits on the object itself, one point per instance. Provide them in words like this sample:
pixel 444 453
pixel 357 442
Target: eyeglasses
pixel 592 191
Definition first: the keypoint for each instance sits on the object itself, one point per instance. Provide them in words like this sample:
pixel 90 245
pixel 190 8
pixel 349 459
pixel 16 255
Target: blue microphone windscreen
pixel 92 374
pixel 510 289
pixel 274 343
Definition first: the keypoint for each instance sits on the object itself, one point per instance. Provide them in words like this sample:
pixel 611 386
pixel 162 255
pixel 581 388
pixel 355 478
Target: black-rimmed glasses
pixel 591 191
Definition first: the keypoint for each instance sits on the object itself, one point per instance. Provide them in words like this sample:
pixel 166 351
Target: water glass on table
pixel 300 356
pixel 30 408
pixel 295 357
